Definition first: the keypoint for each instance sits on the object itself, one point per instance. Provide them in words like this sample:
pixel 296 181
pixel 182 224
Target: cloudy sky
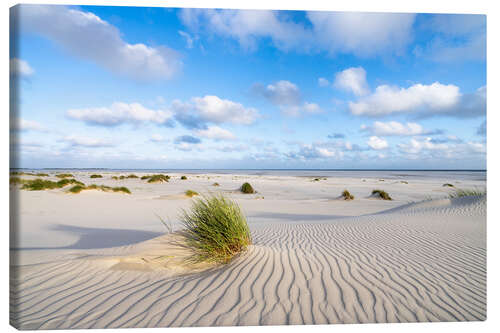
pixel 128 87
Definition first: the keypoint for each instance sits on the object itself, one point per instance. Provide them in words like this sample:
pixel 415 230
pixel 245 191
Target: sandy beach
pixel 104 260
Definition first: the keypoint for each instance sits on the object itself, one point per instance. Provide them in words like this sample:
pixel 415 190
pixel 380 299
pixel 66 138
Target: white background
pixel 419 6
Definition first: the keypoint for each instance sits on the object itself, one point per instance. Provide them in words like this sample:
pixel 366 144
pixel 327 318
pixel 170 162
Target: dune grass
pixel 459 193
pixel 183 178
pixel 65 175
pixel 347 195
pixel 382 194
pixel 216 229
pixel 95 176
pixel 158 179
pixel 247 188
pixel 126 177
pixel 448 185
pixel 16 181
pixel 403 182
pixel 78 188
pixel 41 184
pixel 190 193
pixel 22 173
pixel 215 184
pixel 131 176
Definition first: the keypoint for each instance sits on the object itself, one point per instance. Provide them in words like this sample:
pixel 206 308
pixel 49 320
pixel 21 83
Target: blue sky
pixel 131 87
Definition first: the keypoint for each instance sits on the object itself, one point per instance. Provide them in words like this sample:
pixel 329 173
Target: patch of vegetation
pixel 16 181
pixel 403 182
pixel 215 184
pixel 382 194
pixel 158 179
pixel 247 188
pixel 65 175
pixel 448 185
pixel 64 182
pixel 128 177
pixel 22 173
pixel 95 176
pixel 216 229
pixel 459 193
pixel 183 178
pixel 316 180
pixel 190 193
pixel 104 188
pixel 347 195
pixel 132 176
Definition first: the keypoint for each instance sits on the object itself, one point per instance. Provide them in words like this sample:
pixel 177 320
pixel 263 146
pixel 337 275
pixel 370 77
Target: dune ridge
pixel 402 265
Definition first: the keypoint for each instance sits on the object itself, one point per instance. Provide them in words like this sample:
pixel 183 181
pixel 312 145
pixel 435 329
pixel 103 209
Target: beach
pixel 100 259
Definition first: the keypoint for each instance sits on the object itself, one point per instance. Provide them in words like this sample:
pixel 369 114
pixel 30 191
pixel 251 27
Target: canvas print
pixel 221 167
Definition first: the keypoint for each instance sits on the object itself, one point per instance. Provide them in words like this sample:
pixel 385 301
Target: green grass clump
pixel 95 176
pixel 403 182
pixel 131 176
pixel 448 185
pixel 216 229
pixel 121 189
pixel 64 175
pixel 22 173
pixel 64 182
pixel 459 193
pixel 40 174
pixel 247 188
pixel 158 179
pixel 347 195
pixel 215 184
pixel 382 194
pixel 190 193
pixel 40 184
pixel 77 189
pixel 16 181
pixel 183 178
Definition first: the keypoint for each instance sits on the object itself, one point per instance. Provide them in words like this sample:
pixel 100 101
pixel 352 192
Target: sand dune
pixel 424 261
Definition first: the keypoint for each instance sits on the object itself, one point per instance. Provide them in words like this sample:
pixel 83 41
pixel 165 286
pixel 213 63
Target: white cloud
pixel 20 68
pixel 377 143
pixel 352 80
pixel 434 98
pixel 218 110
pixel 286 95
pixel 216 133
pixel 322 82
pixel 83 141
pixel 188 38
pixel 363 34
pixel 121 113
pixel 393 128
pixel 20 124
pixel 91 38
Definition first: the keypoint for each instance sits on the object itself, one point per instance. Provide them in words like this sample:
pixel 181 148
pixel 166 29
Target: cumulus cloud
pixel 157 138
pixel 394 128
pixel 307 151
pixel 363 34
pixel 216 133
pixel 352 80
pixel 377 143
pixel 20 68
pixel 89 37
pixel 421 100
pixel 88 142
pixel 212 109
pixel 20 124
pixel 121 113
pixel 286 95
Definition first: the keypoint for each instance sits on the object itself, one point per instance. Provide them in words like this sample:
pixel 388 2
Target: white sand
pixel 102 260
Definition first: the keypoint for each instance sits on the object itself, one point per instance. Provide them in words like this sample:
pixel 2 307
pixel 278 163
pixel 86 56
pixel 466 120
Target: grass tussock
pixel 183 178
pixel 215 184
pixel 190 193
pixel 64 175
pixel 247 188
pixel 16 181
pixel 382 194
pixel 347 195
pixel 126 177
pixel 403 182
pixel 22 173
pixel 95 176
pixel 216 229
pixel 448 185
pixel 158 179
pixel 459 193
pixel 41 184
pixel 78 188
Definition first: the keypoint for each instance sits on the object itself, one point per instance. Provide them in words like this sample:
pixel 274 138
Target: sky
pixel 132 87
